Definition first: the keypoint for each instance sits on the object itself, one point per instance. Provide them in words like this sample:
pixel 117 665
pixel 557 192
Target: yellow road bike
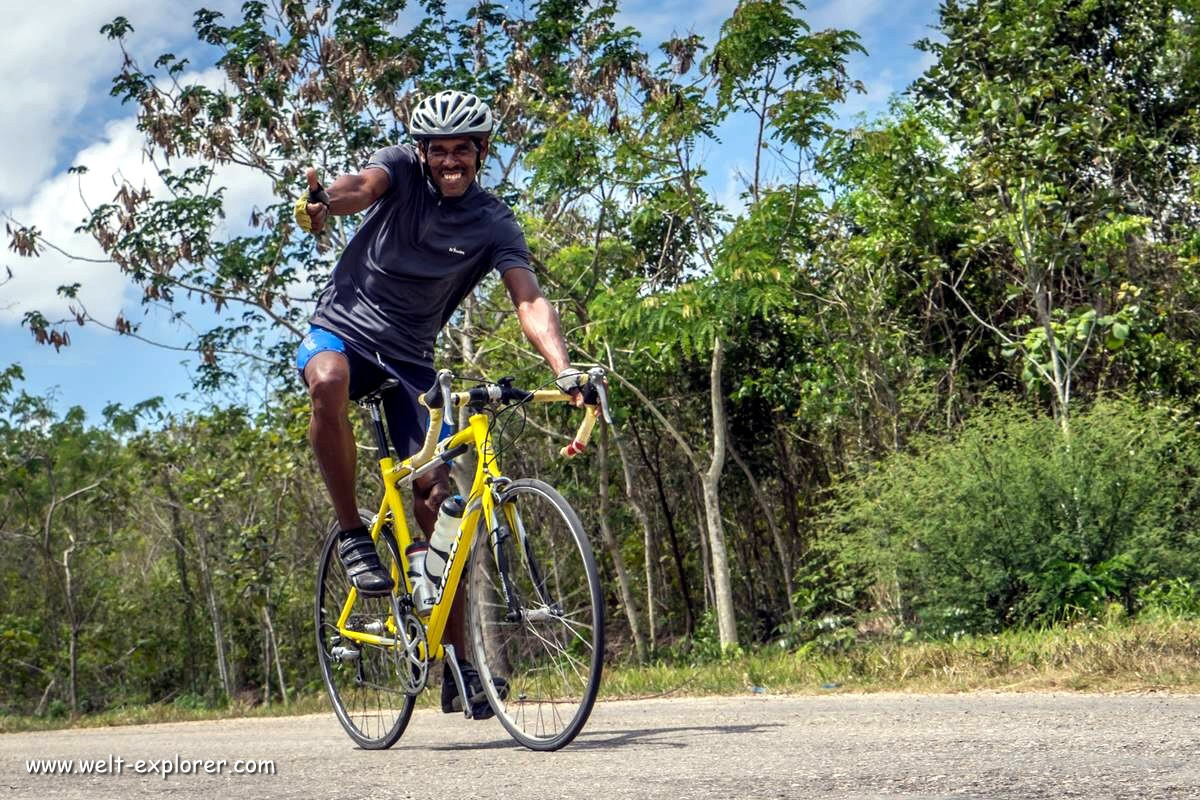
pixel 535 616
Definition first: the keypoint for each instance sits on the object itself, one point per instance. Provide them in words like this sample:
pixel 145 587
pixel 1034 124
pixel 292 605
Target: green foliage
pixel 1010 523
pixel 1075 150
pixel 767 62
pixel 702 647
pixel 831 592
pixel 140 534
pixel 1177 598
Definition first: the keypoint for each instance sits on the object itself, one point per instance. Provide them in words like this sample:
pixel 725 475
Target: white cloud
pixel 924 62
pixel 58 207
pixel 55 64
pixel 245 189
pixel 732 196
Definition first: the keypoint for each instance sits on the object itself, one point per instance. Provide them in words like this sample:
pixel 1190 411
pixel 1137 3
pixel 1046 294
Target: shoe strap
pixel 358 554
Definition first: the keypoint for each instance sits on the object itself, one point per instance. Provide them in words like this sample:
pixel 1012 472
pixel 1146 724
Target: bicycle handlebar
pixel 440 400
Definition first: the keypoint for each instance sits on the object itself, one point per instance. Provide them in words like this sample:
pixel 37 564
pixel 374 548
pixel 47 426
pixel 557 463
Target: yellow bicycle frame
pixel 481 505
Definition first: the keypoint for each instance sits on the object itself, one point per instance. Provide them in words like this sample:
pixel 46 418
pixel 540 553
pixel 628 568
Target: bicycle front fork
pixel 500 535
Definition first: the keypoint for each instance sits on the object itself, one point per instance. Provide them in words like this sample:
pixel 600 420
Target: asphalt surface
pixel 840 746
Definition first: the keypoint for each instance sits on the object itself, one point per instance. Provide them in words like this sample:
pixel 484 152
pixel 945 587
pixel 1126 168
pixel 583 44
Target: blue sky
pixel 56 69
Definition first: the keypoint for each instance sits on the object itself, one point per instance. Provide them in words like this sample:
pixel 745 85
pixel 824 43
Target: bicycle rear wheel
pixel 363 680
pixel 536 617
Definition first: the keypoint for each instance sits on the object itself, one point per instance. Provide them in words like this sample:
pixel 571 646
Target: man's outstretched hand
pixel 568 383
pixel 312 209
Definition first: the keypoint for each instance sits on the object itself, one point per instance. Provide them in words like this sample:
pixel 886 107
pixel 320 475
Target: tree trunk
pixel 214 611
pixel 462 469
pixel 776 536
pixel 73 619
pixel 791 491
pixel 689 608
pixel 697 493
pixel 73 650
pixel 73 631
pixel 649 542
pixel 1037 278
pixel 726 621
pixel 274 646
pixel 709 478
pixel 187 607
pixel 266 657
pixel 628 599
pixel 41 706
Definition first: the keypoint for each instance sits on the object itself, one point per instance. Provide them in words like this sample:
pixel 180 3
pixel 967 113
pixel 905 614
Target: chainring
pixel 413 661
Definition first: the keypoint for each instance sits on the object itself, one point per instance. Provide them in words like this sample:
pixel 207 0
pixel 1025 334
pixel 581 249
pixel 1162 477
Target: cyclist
pixel 429 236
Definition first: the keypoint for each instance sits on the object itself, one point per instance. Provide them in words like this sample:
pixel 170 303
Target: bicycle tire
pixel 546 637
pixel 366 692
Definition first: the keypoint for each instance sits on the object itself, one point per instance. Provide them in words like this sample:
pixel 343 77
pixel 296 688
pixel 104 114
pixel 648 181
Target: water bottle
pixel 423 593
pixel 445 531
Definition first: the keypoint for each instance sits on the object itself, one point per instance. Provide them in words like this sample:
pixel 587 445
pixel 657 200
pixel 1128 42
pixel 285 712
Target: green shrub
pixel 193 702
pixel 1011 522
pixel 1174 597
pixel 705 645
pixel 831 589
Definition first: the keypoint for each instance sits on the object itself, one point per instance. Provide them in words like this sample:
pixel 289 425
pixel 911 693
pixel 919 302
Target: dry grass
pixel 1147 655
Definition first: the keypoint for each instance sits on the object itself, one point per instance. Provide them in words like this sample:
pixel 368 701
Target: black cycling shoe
pixel 480 707
pixel 358 555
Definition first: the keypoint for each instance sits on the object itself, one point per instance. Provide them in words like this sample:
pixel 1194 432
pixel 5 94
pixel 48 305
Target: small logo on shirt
pixel 457 252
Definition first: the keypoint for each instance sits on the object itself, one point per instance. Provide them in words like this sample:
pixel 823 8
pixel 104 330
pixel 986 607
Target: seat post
pixel 372 401
pixel 381 444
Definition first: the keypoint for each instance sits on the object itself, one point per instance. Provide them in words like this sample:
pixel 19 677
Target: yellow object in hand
pixel 301 214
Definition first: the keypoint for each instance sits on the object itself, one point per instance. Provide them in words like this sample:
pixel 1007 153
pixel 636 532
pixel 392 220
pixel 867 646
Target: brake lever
pixel 596 379
pixel 444 377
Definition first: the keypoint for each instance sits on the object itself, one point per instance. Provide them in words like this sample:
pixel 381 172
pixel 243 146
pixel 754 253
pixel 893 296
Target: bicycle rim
pixel 365 689
pixel 545 636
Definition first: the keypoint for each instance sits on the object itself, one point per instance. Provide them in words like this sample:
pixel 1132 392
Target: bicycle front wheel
pixel 363 680
pixel 536 617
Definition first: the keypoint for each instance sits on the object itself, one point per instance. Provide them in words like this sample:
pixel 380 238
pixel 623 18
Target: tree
pixel 1076 140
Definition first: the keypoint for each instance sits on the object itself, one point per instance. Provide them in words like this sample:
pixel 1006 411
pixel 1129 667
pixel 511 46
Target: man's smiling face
pixel 452 163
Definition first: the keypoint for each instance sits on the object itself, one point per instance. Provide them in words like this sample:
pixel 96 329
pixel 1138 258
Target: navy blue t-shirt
pixel 413 259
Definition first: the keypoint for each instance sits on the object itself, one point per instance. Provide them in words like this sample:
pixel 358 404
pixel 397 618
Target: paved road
pixel 846 746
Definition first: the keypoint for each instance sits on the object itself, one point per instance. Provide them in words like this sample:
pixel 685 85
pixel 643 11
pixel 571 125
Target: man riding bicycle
pixel 429 236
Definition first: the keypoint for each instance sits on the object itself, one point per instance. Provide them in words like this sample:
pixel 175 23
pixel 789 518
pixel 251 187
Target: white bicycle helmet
pixel 450 113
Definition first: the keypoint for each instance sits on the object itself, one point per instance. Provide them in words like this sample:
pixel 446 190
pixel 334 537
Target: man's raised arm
pixel 349 194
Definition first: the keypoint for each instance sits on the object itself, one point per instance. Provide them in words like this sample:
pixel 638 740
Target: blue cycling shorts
pixel 407 420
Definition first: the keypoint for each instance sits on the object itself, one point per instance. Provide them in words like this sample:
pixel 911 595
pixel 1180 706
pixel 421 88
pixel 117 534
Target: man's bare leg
pixel 332 439
pixel 330 434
